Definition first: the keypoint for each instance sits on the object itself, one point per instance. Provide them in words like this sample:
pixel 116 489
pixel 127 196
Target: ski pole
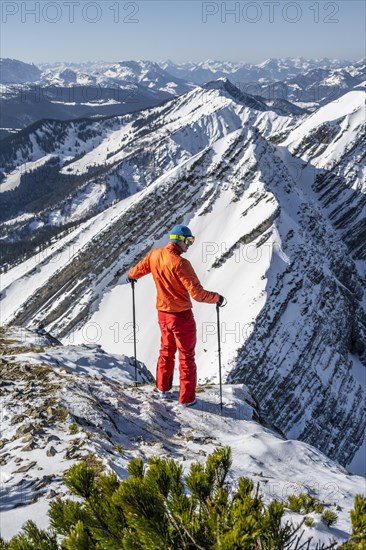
pixel 134 327
pixel 219 349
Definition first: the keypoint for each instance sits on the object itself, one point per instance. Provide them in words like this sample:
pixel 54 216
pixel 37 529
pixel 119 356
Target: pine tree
pixel 33 538
pixel 357 540
pixel 158 508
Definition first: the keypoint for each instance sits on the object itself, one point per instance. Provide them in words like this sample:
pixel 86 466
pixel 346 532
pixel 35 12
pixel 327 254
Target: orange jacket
pixel 174 277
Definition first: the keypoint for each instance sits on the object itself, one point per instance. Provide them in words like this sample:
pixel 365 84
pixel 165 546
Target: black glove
pixel 127 278
pixel 221 301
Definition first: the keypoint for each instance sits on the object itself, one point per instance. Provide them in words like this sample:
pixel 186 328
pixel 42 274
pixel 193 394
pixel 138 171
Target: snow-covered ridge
pixel 62 403
pixel 348 104
pixel 120 147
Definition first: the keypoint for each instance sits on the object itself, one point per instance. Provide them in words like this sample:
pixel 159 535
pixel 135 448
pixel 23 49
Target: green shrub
pixel 309 521
pixel 32 538
pixel 158 508
pixel 319 507
pixel 358 518
pixel 302 503
pixel 329 517
pixel 357 540
pixel 74 428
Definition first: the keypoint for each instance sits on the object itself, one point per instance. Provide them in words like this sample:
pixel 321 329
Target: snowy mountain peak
pixel 230 90
pixel 219 84
pixel 13 71
pixel 271 62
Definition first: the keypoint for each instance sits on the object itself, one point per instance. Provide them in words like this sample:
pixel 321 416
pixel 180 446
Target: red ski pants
pixel 178 331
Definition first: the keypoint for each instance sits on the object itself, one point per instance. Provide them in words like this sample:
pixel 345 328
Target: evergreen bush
pixel 357 540
pixel 304 504
pixel 158 508
pixel 329 517
pixel 309 521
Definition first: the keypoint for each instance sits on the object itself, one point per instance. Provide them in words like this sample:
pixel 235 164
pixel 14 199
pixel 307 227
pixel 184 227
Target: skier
pixel 175 281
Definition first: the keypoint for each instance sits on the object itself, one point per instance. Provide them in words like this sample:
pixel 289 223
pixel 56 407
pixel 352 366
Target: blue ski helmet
pixel 181 233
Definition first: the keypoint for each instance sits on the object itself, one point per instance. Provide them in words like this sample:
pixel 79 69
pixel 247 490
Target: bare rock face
pixel 301 369
pixel 300 358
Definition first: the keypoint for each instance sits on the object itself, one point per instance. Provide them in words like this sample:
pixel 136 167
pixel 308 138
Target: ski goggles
pixel 187 240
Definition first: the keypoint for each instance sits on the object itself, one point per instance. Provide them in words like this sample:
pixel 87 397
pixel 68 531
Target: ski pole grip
pixel 222 304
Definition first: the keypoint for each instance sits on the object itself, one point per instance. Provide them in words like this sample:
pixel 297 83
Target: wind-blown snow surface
pixel 279 232
pixel 97 391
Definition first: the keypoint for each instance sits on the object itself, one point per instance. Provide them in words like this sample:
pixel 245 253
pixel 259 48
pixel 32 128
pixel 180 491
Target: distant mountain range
pixel 104 73
pixel 268 71
pixel 65 91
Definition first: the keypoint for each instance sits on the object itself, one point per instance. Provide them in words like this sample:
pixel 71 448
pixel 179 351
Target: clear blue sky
pixel 249 31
